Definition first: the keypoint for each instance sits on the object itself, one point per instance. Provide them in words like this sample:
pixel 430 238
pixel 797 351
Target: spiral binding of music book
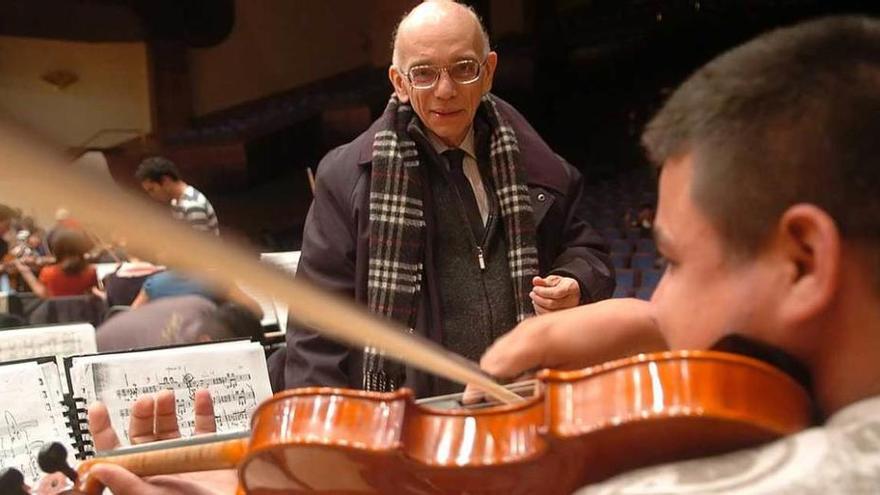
pixel 77 421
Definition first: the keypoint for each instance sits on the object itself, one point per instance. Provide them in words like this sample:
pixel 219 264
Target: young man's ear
pixel 398 80
pixel 810 246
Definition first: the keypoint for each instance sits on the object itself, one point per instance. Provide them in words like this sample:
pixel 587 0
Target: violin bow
pixel 29 164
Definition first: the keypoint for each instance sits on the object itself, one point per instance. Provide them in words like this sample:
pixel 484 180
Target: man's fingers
pixel 472 395
pixel 547 303
pixel 564 287
pixel 101 430
pixel 540 310
pixel 204 412
pixel 120 481
pixel 557 292
pixel 143 417
pixel 166 416
pixel 548 281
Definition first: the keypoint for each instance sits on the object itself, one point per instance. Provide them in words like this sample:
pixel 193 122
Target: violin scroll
pixel 53 459
pixel 12 482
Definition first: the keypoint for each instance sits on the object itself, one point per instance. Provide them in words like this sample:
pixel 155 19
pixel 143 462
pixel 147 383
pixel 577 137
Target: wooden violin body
pixel 582 427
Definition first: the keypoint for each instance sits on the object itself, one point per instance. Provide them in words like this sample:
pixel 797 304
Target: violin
pixel 579 427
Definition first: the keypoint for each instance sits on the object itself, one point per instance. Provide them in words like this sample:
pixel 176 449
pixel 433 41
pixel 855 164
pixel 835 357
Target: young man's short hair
pixel 790 117
pixel 156 167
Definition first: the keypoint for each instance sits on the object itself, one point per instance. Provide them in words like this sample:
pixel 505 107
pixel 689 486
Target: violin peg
pixel 12 482
pixel 53 459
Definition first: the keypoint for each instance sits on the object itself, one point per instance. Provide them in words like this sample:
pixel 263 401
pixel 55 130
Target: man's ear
pixel 399 82
pixel 809 243
pixel 491 64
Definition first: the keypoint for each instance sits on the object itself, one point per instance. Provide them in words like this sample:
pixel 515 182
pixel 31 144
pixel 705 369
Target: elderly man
pixel 448 215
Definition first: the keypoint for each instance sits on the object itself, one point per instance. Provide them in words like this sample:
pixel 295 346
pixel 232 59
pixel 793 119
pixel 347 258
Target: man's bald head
pixel 432 12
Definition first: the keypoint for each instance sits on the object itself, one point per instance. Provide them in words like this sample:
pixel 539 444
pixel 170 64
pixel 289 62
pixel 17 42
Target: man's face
pixel 703 294
pixel 447 109
pixel 157 190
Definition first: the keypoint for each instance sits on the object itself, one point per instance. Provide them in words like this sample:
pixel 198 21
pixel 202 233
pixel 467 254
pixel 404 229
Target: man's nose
pixel 446 88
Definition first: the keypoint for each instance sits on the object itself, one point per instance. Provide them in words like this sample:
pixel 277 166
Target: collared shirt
pixel 843 456
pixel 469 166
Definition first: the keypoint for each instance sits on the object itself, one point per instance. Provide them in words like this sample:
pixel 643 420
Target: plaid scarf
pixel 397 227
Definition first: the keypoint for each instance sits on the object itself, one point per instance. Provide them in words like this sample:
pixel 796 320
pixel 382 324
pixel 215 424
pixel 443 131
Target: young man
pixel 161 180
pixel 769 217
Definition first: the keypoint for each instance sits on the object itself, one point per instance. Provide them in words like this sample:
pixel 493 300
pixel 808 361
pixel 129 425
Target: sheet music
pixel 288 261
pixel 54 340
pixel 234 372
pixel 30 416
pixel 267 305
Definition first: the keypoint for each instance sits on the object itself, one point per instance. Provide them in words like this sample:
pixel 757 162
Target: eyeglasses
pixel 462 72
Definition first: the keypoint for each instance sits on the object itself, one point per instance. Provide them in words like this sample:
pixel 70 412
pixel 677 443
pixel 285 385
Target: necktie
pixel 455 157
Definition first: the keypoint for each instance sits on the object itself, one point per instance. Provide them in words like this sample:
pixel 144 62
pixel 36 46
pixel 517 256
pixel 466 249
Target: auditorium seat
pixel 644 293
pixel 650 278
pixel 621 246
pixel 621 292
pixel 625 277
pixel 646 246
pixel 643 261
pixel 69 309
pixel 611 233
pixel 634 233
pixel 620 260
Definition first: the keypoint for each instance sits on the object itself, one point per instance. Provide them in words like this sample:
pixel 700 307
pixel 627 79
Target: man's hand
pixel 152 418
pixel 573 339
pixel 553 293
pixel 155 418
pixel 120 481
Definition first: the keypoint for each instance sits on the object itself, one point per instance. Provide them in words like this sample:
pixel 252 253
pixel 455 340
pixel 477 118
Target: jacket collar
pixel 543 167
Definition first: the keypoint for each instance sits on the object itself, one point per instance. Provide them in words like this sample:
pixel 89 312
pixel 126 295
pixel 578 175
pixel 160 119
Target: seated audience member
pixel 71 275
pixel 177 320
pixel 769 209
